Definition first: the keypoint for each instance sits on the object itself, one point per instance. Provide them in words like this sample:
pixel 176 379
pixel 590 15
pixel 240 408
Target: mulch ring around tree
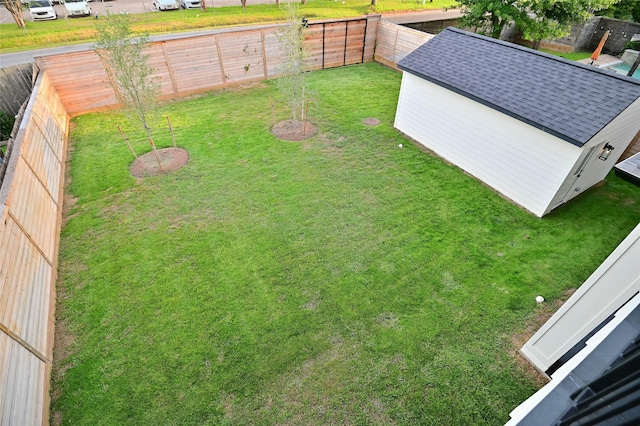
pixel 289 130
pixel 171 160
pixel 371 121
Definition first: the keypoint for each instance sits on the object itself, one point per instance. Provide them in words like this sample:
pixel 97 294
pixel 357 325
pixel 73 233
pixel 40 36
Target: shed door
pixel 584 165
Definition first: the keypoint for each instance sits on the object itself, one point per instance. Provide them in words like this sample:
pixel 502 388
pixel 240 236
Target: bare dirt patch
pixel 371 121
pixel 288 130
pixel 539 317
pixel 171 159
pixel 63 348
pixel 68 201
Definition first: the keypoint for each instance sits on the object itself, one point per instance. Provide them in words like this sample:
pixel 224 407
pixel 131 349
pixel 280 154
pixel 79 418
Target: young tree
pixel 628 10
pixel 128 67
pixel 15 8
pixel 292 81
pixel 536 19
pixel 593 6
pixel 489 17
pixel 550 19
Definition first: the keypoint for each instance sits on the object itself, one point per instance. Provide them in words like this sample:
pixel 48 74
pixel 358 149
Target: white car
pixel 166 4
pixel 77 8
pixel 42 10
pixel 190 4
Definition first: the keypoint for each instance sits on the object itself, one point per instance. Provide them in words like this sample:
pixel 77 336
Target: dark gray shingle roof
pixel 567 99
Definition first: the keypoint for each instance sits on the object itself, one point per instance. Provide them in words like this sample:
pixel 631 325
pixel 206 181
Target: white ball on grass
pixel 399 145
pixel 539 299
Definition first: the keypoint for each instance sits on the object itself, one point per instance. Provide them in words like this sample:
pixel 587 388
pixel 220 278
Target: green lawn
pixel 339 280
pixel 77 30
pixel 572 56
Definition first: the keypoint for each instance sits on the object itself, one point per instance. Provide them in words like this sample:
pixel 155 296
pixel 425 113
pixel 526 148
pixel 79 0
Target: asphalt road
pixel 144 6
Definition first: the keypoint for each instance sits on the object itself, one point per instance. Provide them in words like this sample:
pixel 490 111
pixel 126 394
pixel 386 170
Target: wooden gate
pixel 336 43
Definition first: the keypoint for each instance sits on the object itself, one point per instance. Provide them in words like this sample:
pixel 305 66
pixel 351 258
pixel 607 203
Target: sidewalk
pixel 603 61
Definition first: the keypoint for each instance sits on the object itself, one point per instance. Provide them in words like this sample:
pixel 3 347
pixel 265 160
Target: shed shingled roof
pixel 569 100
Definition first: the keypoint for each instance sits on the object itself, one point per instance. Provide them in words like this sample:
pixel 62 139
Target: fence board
pixel 272 52
pixel 21 376
pixel 371 37
pixel 38 154
pixel 33 206
pixel 242 56
pixel 23 298
pixel 314 44
pixel 194 63
pixel 158 62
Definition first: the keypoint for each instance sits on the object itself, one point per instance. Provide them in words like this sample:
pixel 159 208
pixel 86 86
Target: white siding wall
pixel 523 163
pixel 615 281
pixel 618 133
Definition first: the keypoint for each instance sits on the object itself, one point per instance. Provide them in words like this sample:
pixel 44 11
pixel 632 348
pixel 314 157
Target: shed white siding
pixel 619 133
pixel 615 281
pixel 522 162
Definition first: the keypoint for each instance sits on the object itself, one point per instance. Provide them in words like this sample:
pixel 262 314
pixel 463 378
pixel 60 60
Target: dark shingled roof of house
pixel 569 100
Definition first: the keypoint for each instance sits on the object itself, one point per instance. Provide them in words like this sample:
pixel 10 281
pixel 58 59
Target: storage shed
pixel 537 128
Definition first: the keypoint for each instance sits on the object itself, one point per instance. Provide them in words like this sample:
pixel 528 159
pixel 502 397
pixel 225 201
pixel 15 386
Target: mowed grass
pixel 338 280
pixel 572 56
pixel 76 30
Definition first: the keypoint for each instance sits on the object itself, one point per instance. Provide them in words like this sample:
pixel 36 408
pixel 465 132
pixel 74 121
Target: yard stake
pixel 127 141
pixel 172 137
pixel 273 112
pixel 304 126
pixel 155 151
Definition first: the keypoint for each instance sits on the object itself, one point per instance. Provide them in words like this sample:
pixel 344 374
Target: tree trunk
pixel 374 2
pixel 15 8
pixel 153 145
pixel 497 25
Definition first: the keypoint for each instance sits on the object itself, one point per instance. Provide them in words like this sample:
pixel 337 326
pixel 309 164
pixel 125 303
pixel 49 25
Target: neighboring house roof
pixel 567 99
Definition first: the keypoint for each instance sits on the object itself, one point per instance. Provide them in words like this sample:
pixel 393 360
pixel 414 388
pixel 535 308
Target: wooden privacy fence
pixel 16 83
pixel 30 218
pixel 340 43
pixel 202 63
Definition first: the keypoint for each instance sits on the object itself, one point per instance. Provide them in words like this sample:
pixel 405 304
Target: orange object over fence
pixel 596 53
